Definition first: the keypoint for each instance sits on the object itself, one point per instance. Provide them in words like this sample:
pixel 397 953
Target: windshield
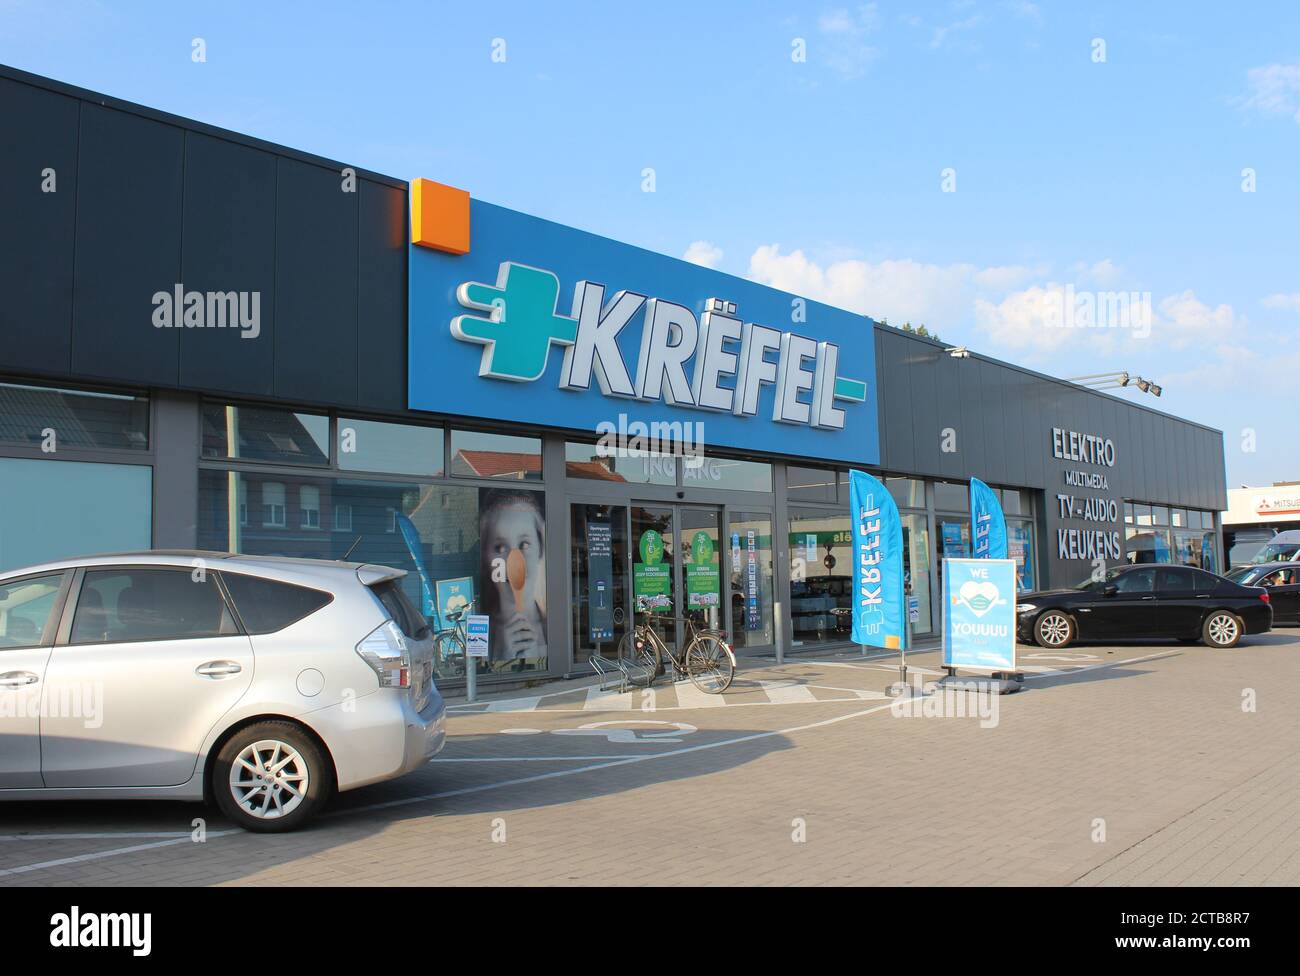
pixel 1092 584
pixel 1276 552
pixel 1241 574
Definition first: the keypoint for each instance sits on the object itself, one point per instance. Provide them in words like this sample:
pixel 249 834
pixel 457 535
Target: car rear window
pixel 266 606
pixel 405 614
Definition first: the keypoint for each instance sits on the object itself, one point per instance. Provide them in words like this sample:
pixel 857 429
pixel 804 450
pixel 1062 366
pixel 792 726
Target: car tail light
pixel 1264 596
pixel 385 650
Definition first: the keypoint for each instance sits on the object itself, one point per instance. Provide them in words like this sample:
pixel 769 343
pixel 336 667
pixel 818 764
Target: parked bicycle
pixel 707 660
pixel 451 642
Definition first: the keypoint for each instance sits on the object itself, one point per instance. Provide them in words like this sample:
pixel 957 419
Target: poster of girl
pixel 512 539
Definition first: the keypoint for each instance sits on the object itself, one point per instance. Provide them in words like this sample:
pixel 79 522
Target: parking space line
pixel 786 692
pixel 688 696
pixel 98 855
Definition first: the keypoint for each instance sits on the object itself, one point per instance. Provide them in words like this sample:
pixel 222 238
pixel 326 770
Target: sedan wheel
pixel 1222 629
pixel 1054 629
pixel 271 777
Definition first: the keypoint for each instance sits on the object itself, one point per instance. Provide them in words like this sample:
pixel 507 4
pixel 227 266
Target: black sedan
pixel 1145 601
pixel 1282 580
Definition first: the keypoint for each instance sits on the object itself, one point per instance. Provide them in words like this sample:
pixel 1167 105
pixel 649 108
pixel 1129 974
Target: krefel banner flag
pixel 879 600
pixel 988 525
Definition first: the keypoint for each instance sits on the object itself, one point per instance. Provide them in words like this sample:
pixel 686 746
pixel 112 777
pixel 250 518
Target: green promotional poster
pixel 702 579
pixel 652 581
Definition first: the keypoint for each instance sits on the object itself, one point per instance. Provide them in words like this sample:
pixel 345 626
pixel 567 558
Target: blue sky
pixel 824 175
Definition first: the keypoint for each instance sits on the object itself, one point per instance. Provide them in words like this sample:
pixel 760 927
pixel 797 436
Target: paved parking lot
pixel 1149 764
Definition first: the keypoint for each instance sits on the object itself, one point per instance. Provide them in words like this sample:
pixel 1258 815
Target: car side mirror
pixel 1110 589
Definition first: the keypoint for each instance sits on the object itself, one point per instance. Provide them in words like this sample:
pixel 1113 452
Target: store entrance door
pixel 677 567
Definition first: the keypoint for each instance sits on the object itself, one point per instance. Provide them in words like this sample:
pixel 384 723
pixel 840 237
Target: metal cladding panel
pixel 898 419
pixel 38 134
pixel 316 324
pixel 128 246
pixel 229 246
pixel 381 332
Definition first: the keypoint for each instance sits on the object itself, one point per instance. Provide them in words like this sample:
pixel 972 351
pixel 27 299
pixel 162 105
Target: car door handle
pixel 16 679
pixel 218 669
pixel 1148 598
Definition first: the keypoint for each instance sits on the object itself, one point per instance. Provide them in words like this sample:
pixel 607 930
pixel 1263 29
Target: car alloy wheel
pixel 269 779
pixel 1222 629
pixel 1054 629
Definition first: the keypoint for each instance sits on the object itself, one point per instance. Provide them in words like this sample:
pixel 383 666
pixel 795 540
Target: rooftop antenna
pixel 351 549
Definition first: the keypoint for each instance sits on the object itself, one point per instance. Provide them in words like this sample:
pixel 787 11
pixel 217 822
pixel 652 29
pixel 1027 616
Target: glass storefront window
pixel 588 462
pixel 916 568
pixel 749 538
pixel 728 473
pixel 949 497
pixel 1015 502
pixel 821 575
pixel 1020 547
pixel 907 492
pixel 479 454
pixel 369 445
pixel 57 509
pixel 810 484
pixel 1141 514
pixel 598 551
pixel 37 416
pixel 265 434
pixel 457 543
pixel 1147 544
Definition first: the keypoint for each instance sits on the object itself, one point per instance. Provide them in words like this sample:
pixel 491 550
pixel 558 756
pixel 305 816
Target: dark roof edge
pixel 940 346
pixel 179 121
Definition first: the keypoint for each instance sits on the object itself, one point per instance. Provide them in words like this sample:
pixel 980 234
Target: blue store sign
pixel 979 614
pixel 539 322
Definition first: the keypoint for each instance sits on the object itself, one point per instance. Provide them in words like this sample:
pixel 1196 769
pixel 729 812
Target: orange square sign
pixel 439 216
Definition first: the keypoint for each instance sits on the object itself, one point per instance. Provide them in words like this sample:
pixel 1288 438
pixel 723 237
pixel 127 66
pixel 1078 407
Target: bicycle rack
pixel 610 672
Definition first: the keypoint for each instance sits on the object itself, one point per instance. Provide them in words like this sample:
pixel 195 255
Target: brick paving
pixel 1147 772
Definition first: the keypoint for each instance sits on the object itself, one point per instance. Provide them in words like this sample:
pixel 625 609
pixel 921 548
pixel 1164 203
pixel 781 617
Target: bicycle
pixel 708 659
pixel 453 640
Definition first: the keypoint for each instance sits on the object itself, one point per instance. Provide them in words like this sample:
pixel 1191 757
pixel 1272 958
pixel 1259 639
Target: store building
pixel 1255 515
pixel 211 341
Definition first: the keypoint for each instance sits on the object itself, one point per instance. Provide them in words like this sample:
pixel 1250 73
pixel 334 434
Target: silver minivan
pixel 261 683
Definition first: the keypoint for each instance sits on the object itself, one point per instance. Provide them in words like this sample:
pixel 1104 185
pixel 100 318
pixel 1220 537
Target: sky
pixel 1077 188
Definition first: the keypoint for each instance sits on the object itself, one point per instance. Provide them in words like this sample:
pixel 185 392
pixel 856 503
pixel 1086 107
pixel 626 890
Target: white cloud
pixel 844 39
pixel 703 253
pixel 1274 90
pixel 942 35
pixel 1289 303
pixel 1046 318
pixel 899 290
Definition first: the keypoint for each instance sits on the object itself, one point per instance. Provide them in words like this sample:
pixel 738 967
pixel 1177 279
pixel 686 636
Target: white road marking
pixel 599 700
pixel 514 705
pixel 688 696
pixel 98 855
pixel 786 692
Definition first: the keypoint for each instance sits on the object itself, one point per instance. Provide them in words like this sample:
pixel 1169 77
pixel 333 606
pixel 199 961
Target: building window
pixel 273 508
pixel 265 434
pixel 731 474
pixel 592 463
pixel 58 420
pixel 97 508
pixel 368 445
pixel 821 575
pixel 811 484
pixel 501 457
pixel 243 503
pixel 309 506
pixel 342 517
pixel 459 544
